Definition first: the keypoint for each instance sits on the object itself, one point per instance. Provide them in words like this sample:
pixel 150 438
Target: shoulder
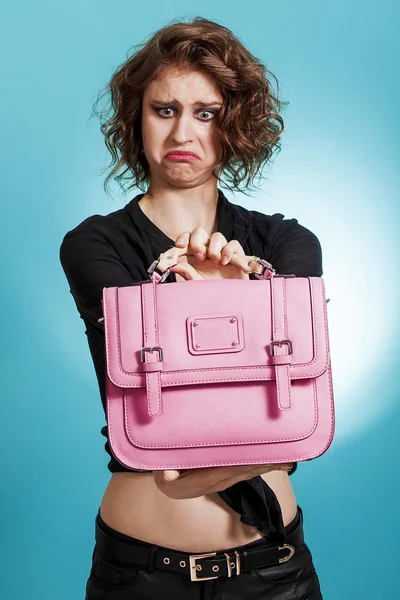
pixel 92 223
pixel 94 245
pixel 82 241
pixel 96 231
pixel 275 225
pixel 290 246
pixel 91 255
pixel 110 224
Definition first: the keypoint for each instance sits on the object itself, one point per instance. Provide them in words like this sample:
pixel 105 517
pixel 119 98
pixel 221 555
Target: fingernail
pixel 225 260
pixel 180 241
pixel 171 475
pixel 199 255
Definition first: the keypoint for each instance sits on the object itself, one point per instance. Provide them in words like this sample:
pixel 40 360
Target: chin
pixel 181 173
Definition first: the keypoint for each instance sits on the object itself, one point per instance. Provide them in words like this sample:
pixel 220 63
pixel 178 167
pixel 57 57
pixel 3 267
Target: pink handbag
pixel 218 372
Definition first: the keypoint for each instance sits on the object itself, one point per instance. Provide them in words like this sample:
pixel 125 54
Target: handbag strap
pixel 158 276
pixel 152 368
pixel 281 347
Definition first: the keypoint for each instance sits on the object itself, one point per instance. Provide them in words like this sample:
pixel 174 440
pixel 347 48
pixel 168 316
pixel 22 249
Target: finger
pixel 245 262
pixel 199 240
pixel 186 271
pixel 183 239
pixel 231 248
pixel 217 242
pixel 251 265
pixel 171 475
pixel 216 475
pixel 170 257
pixel 248 474
pixel 240 472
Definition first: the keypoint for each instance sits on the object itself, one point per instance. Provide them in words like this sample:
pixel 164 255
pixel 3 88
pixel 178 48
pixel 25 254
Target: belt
pixel 201 567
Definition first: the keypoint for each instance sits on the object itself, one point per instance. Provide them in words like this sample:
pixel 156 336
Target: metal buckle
pixel 289 556
pixel 153 267
pixel 150 349
pixel 279 343
pixel 194 568
pixel 237 562
pixel 231 565
pixel 266 265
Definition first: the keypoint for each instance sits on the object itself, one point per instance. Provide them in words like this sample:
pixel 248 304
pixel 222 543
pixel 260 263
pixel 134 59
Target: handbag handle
pixel 158 276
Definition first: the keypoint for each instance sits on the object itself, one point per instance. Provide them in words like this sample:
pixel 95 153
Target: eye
pixel 209 112
pixel 160 109
pixel 213 113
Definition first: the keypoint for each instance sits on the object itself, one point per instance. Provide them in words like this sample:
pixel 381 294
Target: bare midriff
pixel 132 504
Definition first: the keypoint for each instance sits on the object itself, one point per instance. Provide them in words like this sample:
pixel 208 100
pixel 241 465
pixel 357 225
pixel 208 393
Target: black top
pixel 117 249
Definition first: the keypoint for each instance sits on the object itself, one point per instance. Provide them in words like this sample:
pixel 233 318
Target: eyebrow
pixel 198 103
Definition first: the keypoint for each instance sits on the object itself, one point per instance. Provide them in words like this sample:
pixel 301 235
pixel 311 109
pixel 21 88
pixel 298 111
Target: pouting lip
pixel 182 153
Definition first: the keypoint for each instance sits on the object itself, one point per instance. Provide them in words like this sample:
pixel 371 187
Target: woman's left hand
pixel 197 255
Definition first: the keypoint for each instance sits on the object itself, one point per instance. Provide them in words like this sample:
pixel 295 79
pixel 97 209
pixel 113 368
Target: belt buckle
pixel 194 568
pixel 289 556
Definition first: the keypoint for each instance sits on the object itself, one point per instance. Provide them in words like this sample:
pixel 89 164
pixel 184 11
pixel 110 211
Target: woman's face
pixel 178 114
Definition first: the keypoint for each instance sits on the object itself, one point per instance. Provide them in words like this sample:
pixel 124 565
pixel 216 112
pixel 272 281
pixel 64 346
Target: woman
pixel 193 88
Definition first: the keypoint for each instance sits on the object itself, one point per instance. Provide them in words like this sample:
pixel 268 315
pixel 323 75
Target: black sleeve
pixel 290 248
pixel 90 263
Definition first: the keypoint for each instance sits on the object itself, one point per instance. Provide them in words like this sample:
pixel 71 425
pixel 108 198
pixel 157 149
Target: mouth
pixel 182 156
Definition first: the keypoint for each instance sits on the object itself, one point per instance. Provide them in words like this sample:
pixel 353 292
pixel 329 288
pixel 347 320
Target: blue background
pixel 337 64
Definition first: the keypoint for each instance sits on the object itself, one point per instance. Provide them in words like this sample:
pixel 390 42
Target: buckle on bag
pixel 150 349
pixel 194 568
pixel 289 556
pixel 279 343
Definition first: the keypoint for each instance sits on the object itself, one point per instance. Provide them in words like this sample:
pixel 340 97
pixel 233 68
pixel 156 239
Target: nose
pixel 182 130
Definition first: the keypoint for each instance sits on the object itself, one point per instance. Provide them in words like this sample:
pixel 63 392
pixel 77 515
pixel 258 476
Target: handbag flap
pixel 216 330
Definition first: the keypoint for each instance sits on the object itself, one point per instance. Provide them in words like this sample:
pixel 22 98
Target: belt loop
pixel 243 559
pixel 152 557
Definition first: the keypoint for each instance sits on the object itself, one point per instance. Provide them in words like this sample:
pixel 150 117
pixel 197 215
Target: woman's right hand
pixel 192 483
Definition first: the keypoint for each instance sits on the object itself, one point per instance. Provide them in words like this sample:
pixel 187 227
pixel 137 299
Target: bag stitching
pixel 267 368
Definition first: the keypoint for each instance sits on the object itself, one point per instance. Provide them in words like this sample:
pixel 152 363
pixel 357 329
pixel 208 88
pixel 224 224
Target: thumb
pixel 171 475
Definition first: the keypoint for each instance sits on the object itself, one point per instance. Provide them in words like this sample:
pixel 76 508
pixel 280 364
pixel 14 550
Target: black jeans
pixel 112 579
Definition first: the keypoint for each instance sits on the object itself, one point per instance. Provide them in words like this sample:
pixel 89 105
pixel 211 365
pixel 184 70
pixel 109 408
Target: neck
pixel 182 209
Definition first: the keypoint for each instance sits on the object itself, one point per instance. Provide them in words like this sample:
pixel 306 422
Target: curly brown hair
pixel 248 123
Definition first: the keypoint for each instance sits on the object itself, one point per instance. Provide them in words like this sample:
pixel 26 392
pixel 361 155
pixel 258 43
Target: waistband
pixel 117 547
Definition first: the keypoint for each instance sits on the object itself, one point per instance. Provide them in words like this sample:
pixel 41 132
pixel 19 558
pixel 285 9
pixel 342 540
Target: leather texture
pixel 218 372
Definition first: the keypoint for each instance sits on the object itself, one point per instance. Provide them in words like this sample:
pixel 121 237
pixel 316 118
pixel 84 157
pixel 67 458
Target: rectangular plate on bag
pixel 215 333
